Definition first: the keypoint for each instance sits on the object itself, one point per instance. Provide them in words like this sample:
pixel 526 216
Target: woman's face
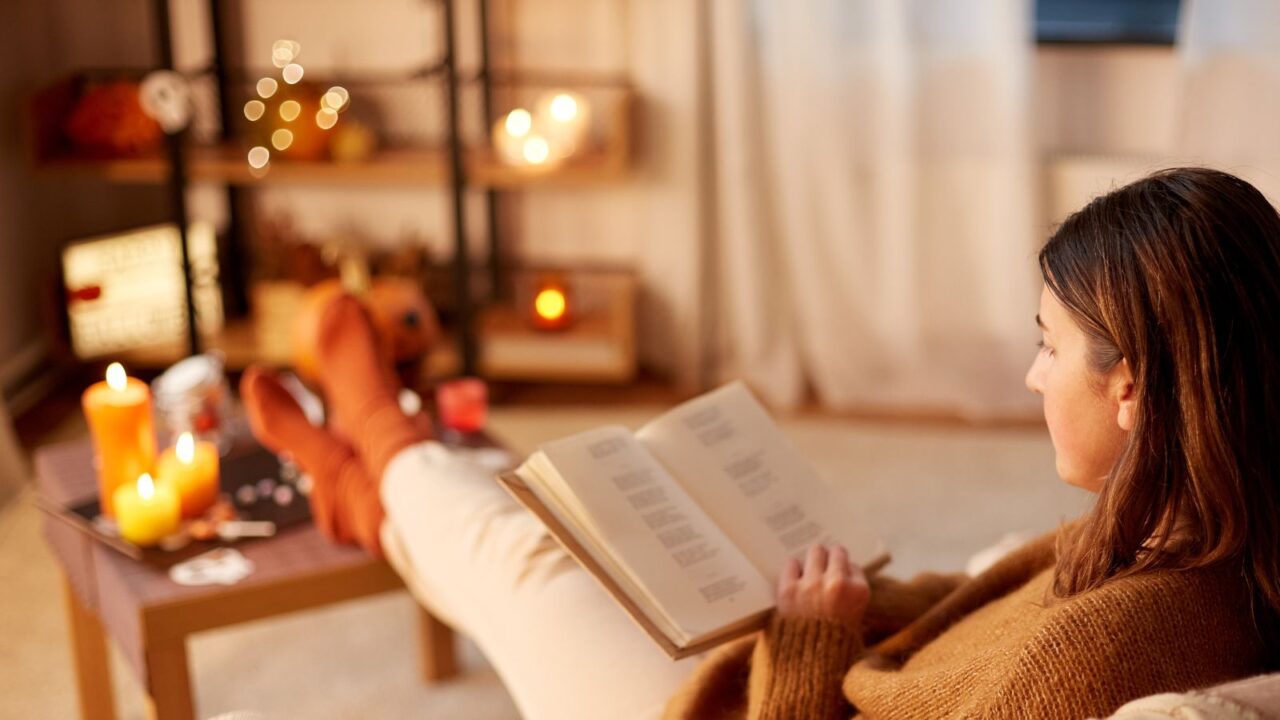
pixel 1083 410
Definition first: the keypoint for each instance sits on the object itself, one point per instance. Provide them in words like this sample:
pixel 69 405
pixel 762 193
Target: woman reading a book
pixel 1161 387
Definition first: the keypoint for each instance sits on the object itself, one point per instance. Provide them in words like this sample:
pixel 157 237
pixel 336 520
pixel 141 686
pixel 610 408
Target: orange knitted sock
pixel 354 377
pixel 344 498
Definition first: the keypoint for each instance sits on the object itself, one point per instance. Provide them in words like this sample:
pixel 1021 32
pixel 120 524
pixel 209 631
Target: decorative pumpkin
pixel 306 327
pixel 108 121
pixel 405 323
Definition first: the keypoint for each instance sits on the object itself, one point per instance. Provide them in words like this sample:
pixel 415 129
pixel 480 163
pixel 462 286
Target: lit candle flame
pixel 146 487
pixel 185 448
pixel 536 150
pixel 564 108
pixel 116 379
pixel 550 304
pixel 519 122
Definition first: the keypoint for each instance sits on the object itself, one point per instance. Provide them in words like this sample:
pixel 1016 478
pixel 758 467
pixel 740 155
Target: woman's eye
pixel 1044 348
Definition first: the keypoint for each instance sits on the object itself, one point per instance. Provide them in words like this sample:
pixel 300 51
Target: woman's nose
pixel 1033 378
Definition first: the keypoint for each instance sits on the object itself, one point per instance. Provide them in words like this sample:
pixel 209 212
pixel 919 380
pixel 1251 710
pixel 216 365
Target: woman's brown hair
pixel 1178 274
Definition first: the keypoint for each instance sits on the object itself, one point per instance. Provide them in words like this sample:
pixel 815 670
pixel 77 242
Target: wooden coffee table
pixel 150 617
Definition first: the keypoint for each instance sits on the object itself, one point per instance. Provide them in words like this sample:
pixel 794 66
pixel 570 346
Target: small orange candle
pixel 124 440
pixel 145 512
pixel 191 469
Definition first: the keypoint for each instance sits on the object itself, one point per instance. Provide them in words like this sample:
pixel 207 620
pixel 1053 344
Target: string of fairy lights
pixel 284 56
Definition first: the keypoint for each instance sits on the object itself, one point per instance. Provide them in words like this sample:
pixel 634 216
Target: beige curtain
pixel 875 202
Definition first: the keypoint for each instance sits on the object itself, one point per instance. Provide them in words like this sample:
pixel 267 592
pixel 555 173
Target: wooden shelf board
pixel 388 167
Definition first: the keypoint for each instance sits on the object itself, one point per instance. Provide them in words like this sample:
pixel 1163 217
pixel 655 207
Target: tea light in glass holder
pixel 563 118
pixel 518 143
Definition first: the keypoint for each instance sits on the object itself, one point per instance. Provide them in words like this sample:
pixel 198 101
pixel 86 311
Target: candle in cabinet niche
pixel 190 468
pixel 118 411
pixel 517 142
pixel 563 118
pixel 145 511
pixel 551 306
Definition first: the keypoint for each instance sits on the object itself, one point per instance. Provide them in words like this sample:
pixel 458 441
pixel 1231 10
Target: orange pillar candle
pixel 145 512
pixel 191 469
pixel 124 440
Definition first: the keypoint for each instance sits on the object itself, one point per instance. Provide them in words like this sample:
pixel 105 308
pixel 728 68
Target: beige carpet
pixel 937 494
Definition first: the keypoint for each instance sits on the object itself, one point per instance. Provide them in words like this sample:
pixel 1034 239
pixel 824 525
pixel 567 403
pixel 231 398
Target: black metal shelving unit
pixel 465 302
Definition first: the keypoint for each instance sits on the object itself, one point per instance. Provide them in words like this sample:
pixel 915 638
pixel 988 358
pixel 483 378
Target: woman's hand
pixel 828 586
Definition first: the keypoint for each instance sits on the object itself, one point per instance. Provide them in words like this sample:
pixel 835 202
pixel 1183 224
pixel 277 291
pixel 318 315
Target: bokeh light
pixel 281 139
pixel 259 157
pixel 292 73
pixel 519 122
pixel 290 110
pixel 267 87
pixel 254 109
pixel 326 118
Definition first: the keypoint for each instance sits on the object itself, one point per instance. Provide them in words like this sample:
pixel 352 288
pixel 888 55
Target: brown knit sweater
pixel 989 647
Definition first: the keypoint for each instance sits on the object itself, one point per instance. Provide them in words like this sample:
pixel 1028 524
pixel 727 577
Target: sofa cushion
pixel 1254 698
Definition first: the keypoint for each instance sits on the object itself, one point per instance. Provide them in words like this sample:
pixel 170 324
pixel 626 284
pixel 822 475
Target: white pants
pixel 486 566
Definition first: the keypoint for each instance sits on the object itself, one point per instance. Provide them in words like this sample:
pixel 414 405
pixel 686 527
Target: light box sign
pixel 125 291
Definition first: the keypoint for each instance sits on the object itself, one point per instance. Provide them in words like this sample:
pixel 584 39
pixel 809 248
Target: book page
pixel 633 509
pixel 740 468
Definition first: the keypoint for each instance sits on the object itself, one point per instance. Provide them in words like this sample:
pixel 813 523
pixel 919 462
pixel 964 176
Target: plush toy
pixel 405 323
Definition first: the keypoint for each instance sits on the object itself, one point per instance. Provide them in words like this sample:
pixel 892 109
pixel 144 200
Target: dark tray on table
pixel 246 464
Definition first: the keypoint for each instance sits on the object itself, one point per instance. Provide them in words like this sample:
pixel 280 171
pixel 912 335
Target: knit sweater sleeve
pixel 897 603
pixel 797 668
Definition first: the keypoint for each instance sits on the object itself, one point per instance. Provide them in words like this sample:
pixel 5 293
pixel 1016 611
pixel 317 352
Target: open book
pixel 688 521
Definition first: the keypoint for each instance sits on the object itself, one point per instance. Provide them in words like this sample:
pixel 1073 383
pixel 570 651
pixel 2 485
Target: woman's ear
pixel 1122 391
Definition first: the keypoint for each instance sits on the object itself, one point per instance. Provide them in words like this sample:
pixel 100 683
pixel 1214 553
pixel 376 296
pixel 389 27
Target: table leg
pixel 168 681
pixel 438 651
pixel 89 654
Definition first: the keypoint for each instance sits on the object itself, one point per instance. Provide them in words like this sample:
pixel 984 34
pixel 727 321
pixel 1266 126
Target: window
pixel 1147 22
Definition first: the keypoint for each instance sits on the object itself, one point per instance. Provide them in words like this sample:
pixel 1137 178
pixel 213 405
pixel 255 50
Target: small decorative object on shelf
pixel 166 98
pixel 463 404
pixel 119 414
pixel 550 307
pixel 190 467
pixel 145 512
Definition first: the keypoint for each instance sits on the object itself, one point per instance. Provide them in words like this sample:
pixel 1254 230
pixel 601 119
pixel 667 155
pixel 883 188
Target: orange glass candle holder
pixel 118 411
pixel 190 467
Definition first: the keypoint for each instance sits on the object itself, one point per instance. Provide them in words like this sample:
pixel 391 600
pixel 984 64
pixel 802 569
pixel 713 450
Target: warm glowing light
pixel 116 379
pixel 254 109
pixel 519 122
pixel 564 108
pixel 259 157
pixel 550 303
pixel 146 487
pixel 292 73
pixel 267 87
pixel 290 110
pixel 536 151
pixel 326 118
pixel 185 448
pixel 281 139
pixel 284 52
pixel 335 99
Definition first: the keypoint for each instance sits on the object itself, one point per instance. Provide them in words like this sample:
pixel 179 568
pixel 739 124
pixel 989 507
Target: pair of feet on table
pixel 366 426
